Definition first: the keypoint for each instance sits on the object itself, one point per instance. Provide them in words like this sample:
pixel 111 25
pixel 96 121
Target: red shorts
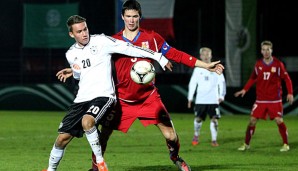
pixel 263 110
pixel 150 111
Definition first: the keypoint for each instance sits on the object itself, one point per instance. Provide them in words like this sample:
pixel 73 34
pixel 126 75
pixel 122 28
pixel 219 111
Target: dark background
pixel 276 21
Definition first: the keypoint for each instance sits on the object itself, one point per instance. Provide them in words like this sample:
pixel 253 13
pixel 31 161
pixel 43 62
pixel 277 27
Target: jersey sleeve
pixel 252 79
pixel 113 45
pixel 71 61
pixel 285 76
pixel 192 86
pixel 172 53
pixel 222 86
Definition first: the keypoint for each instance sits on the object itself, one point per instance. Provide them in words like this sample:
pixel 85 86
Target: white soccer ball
pixel 142 72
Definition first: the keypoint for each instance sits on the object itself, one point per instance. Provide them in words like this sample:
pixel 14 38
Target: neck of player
pixel 130 35
pixel 268 60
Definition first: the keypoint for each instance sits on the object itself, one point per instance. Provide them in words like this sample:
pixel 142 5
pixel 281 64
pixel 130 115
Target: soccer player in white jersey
pixel 90 61
pixel 210 89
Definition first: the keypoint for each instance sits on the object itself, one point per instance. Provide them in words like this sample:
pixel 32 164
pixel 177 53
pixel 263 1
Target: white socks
pixel 213 129
pixel 93 139
pixel 197 127
pixel 55 157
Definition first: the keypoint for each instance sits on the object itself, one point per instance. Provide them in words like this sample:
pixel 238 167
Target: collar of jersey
pixel 134 40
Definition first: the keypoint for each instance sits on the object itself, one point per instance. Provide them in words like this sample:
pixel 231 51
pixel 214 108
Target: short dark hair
pixel 131 5
pixel 74 19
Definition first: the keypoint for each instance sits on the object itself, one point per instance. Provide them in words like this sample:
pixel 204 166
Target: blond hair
pixel 205 49
pixel 268 43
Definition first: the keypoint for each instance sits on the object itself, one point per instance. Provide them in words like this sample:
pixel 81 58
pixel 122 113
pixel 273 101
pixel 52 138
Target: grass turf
pixel 26 138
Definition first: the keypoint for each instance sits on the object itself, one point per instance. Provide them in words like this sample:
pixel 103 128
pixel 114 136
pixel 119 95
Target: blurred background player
pixel 210 90
pixel 268 74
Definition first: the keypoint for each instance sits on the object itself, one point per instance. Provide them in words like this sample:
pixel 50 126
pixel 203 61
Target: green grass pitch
pixel 26 139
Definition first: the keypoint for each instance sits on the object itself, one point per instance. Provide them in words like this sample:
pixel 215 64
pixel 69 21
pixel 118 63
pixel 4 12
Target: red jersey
pixel 126 88
pixel 268 79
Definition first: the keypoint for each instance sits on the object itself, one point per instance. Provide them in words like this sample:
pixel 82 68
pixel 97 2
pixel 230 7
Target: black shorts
pixel 98 108
pixel 201 110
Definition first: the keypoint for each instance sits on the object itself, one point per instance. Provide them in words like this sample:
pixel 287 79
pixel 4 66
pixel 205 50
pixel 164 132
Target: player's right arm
pixel 252 79
pixel 192 86
pixel 241 92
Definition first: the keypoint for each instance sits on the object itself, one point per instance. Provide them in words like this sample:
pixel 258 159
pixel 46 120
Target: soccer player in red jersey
pixel 268 75
pixel 143 102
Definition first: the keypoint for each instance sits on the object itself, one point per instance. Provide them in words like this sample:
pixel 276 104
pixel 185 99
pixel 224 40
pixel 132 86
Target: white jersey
pixel 208 86
pixel 94 60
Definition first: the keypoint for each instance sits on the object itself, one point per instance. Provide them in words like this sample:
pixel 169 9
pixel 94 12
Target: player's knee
pixel 214 119
pixel 62 140
pixel 172 138
pixel 198 120
pixel 278 120
pixel 170 135
pixel 252 121
pixel 88 122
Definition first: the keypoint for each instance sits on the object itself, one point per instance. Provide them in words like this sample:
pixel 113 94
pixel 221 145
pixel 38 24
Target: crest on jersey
pixel 260 68
pixel 273 69
pixel 145 44
pixel 93 50
pixel 206 78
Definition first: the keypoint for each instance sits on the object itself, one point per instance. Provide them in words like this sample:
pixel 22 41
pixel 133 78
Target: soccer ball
pixel 142 72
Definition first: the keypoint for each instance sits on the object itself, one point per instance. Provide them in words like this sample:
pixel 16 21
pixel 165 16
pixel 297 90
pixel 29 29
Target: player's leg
pixel 171 137
pixel 67 130
pixel 105 134
pixel 153 107
pixel 92 135
pixel 259 111
pixel 121 118
pixel 200 116
pixel 111 122
pixel 214 115
pixel 276 112
pixel 283 133
pixel 172 140
pixel 57 151
pixel 249 133
pixel 98 109
pixel 198 122
pixel 213 130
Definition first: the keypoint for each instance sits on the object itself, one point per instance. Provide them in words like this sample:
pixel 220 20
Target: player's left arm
pixel 252 79
pixel 222 88
pixel 172 53
pixel 213 66
pixel 113 45
pixel 285 76
pixel 181 57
